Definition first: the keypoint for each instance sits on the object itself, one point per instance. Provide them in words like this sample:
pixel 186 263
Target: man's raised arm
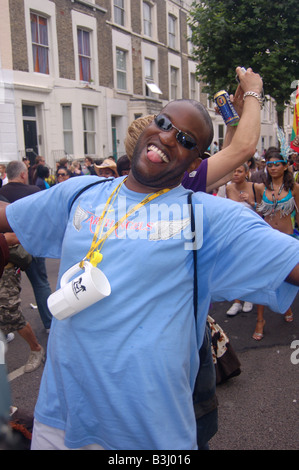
pixel 240 142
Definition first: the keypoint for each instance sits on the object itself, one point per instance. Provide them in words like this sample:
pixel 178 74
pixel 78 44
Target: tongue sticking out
pixel 156 156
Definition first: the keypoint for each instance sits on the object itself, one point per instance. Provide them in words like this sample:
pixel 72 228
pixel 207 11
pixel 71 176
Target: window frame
pixel 122 41
pixel 147 22
pixel 67 131
pixel 83 56
pixel 47 10
pixel 119 10
pixel 149 53
pixel 122 19
pixel 193 88
pixel 38 45
pixel 172 31
pixel 174 86
pixel 151 88
pixel 120 71
pixel 89 132
pixel 81 21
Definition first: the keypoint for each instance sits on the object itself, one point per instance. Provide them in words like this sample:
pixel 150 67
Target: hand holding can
pixel 226 108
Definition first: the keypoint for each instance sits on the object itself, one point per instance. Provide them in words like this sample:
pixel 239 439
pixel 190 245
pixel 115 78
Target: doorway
pixel 30 132
pixel 114 137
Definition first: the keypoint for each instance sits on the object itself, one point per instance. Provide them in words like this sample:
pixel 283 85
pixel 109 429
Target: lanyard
pixel 94 255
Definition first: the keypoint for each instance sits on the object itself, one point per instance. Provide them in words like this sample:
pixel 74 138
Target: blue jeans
pixel 37 275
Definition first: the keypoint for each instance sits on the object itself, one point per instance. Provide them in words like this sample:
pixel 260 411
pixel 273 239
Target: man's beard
pixel 163 180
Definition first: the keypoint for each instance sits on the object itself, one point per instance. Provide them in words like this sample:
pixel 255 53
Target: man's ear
pixel 24 176
pixel 195 164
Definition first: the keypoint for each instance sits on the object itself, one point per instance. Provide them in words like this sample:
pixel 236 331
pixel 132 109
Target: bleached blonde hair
pixel 134 131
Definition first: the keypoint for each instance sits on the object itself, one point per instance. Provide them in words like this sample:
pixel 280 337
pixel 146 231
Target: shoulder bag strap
pixel 195 294
pixel 87 187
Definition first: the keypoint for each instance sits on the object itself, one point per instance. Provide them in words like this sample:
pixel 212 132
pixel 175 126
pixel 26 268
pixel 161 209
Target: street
pixel 257 410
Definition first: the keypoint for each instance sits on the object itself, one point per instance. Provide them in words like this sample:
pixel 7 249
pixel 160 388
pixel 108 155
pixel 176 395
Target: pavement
pixel 258 410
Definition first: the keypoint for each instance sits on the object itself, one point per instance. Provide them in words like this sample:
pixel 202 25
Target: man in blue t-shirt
pixel 120 374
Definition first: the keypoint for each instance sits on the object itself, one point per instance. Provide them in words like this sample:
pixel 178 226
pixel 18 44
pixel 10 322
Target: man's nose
pixel 169 137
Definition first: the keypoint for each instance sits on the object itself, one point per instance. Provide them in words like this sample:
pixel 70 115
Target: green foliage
pixel 260 34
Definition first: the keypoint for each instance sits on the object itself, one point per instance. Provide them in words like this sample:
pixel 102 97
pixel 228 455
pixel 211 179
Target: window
pixel 28 110
pixel 67 129
pixel 89 130
pixel 147 19
pixel 190 44
pixel 151 87
pixel 172 31
pixel 84 55
pixel 122 60
pixel 84 29
pixel 114 137
pixel 121 69
pixel 149 75
pixel 40 44
pixel 173 83
pixel 30 128
pixel 119 12
pixel 193 94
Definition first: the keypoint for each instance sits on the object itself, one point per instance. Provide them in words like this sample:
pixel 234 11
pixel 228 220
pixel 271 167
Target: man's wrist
pixel 255 95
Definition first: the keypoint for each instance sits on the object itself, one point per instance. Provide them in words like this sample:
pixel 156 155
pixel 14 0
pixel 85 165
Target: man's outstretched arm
pixel 293 277
pixel 4 225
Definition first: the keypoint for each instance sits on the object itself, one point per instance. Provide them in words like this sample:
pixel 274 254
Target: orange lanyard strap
pixel 94 255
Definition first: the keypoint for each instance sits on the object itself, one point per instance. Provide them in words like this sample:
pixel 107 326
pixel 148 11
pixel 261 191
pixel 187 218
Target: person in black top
pixel 17 185
pixel 17 188
pixel 11 317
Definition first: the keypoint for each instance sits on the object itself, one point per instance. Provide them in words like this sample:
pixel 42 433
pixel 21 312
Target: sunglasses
pixel 276 163
pixel 61 174
pixel 165 124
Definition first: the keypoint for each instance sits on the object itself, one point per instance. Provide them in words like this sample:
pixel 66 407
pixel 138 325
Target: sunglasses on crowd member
pixel 276 163
pixel 61 174
pixel 165 124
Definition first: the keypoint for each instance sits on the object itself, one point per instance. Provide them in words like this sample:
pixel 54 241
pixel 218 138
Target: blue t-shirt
pixel 121 373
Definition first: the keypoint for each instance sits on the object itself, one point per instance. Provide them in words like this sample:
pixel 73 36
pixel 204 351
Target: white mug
pixel 84 290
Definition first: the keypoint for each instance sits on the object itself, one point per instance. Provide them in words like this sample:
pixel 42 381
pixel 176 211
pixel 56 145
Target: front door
pixel 30 132
pixel 114 137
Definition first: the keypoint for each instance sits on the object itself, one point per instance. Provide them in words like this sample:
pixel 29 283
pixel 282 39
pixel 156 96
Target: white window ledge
pixel 90 5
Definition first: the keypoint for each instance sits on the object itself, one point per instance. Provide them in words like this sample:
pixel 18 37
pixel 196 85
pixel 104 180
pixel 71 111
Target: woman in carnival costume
pixel 278 205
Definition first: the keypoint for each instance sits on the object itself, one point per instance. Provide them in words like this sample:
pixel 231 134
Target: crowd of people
pixel 147 379
pixel 271 190
pixel 41 175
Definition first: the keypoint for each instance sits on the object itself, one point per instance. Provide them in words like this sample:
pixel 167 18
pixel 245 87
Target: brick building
pixel 75 73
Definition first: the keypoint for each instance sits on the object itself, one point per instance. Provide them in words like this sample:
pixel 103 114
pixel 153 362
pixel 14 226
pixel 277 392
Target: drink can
pixel 226 108
pixel 243 70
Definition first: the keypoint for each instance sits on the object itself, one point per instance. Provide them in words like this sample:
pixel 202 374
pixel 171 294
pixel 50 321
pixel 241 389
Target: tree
pixel 261 34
